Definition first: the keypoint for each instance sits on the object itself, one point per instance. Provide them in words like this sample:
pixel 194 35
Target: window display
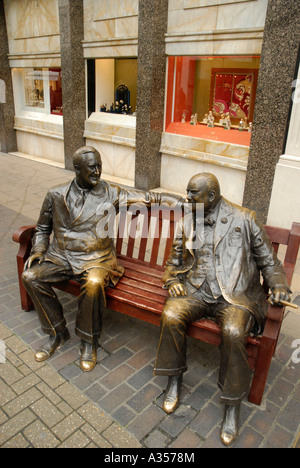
pixel 114 85
pixel 208 95
pixel 38 90
pixel 232 93
pixel 55 87
pixel 34 88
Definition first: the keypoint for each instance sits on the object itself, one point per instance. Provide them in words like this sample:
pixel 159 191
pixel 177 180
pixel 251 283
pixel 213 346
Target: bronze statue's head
pixel 88 167
pixel 204 189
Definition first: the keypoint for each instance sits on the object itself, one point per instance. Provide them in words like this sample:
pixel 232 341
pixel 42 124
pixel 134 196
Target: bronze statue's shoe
pixel 53 344
pixel 88 358
pixel 230 426
pixel 171 400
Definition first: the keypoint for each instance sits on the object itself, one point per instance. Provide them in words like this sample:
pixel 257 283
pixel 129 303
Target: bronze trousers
pixel 235 323
pixel 38 282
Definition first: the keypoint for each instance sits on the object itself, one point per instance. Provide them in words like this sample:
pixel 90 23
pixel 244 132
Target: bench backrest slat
pixel 148 234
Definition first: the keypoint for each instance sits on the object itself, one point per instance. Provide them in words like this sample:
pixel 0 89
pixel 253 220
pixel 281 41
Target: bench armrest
pixel 23 235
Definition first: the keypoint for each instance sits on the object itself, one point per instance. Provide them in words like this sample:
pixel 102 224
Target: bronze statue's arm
pixel 268 262
pixel 173 278
pixel 41 236
pixel 128 197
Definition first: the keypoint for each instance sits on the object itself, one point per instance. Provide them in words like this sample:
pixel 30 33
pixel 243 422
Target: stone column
pixel 73 75
pixel 153 20
pixel 273 101
pixel 7 111
pixel 284 205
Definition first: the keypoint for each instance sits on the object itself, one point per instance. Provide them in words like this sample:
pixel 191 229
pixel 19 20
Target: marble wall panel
pixel 114 136
pixel 250 15
pixel 293 141
pixel 118 161
pixel 221 28
pixel 114 128
pixel 183 157
pixel 176 172
pixel 33 61
pixel 32 26
pixel 40 136
pixel 181 21
pixel 207 150
pixel 110 49
pixel 41 146
pixel 110 21
pixel 35 123
pixel 284 204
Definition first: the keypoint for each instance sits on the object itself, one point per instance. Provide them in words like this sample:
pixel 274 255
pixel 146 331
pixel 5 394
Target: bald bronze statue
pixel 83 248
pixel 217 277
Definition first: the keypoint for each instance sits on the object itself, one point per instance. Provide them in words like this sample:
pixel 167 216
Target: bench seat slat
pixel 143 267
pixel 136 291
pixel 144 286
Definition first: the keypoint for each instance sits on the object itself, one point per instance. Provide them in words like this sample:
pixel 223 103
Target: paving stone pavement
pixel 118 405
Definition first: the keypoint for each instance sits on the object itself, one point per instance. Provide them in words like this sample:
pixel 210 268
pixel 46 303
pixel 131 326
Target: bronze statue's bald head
pixel 204 188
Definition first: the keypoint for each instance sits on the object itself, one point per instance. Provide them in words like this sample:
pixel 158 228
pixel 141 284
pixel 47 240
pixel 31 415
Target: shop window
pixel 113 84
pixel 34 88
pixel 38 90
pixel 207 95
pixel 55 88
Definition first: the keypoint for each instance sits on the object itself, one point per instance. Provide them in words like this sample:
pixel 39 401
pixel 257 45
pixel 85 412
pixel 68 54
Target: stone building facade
pixel 66 65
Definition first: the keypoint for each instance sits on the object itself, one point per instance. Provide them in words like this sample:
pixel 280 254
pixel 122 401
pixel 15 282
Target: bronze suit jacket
pixel 87 241
pixel 241 250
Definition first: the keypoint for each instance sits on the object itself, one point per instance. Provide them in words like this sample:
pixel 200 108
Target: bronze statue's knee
pixel 171 316
pixel 234 332
pixel 94 280
pixel 28 277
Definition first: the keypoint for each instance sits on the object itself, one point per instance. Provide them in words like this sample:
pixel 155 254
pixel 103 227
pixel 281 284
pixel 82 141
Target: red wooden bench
pixel 139 293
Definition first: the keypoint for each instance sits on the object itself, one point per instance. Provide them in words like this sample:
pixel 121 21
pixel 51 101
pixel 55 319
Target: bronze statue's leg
pixel 178 313
pixel 37 281
pixel 172 394
pixel 91 304
pixel 171 356
pixel 230 425
pixel 235 376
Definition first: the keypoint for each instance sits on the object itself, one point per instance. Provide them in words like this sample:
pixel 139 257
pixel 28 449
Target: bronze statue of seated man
pixel 219 277
pixel 76 215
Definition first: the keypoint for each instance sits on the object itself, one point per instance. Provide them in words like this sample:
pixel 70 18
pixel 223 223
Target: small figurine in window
pixel 227 125
pixel 183 118
pixel 222 120
pixel 242 125
pixel 250 127
pixel 210 120
pixel 194 119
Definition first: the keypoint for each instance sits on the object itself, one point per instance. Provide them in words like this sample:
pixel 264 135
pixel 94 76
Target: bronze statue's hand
pixel 278 295
pixel 177 290
pixel 34 258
